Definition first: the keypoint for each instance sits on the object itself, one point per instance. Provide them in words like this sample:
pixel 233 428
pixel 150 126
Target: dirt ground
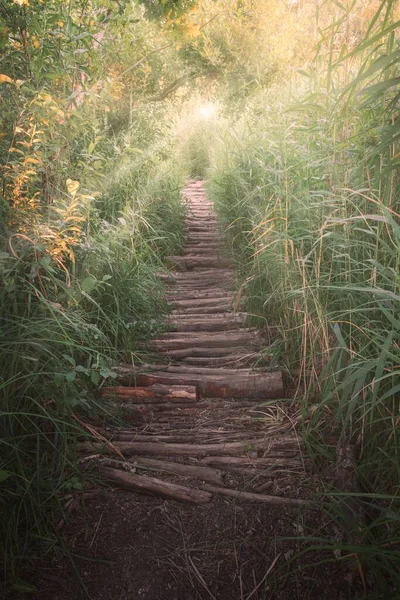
pixel 124 546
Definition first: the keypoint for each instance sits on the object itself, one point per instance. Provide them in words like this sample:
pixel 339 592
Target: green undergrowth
pixel 64 326
pixel 306 183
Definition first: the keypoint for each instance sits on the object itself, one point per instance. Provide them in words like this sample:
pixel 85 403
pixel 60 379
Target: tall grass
pixel 65 324
pixel 309 192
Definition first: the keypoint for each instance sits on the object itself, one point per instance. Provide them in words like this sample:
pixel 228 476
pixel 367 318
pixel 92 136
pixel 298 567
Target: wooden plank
pixel 163 448
pixel 153 393
pixel 154 487
pixel 198 472
pixel 252 497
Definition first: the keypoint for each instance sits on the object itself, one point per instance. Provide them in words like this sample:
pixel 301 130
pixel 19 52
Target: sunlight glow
pixel 208 110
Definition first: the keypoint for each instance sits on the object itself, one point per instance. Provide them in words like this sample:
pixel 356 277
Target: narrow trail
pixel 209 344
pixel 224 485
pixel 204 394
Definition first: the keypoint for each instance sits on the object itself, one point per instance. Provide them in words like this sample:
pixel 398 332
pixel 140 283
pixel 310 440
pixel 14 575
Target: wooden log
pixel 258 463
pixel 252 497
pixel 197 246
pixel 205 275
pixel 198 472
pixel 202 283
pixel 199 302
pixel 202 352
pixel 217 293
pixel 163 448
pixel 228 333
pixel 206 371
pixel 189 263
pixel 229 360
pixel 152 433
pixel 182 315
pixel 161 406
pixel 216 341
pixel 204 325
pixel 154 487
pixel 153 393
pixel 182 438
pixel 259 386
pixel 221 307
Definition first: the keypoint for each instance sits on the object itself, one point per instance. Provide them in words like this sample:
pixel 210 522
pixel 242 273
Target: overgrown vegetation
pixel 90 206
pixel 290 109
pixel 307 183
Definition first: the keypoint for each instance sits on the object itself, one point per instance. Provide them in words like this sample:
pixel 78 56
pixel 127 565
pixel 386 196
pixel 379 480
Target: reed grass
pixel 64 326
pixel 309 193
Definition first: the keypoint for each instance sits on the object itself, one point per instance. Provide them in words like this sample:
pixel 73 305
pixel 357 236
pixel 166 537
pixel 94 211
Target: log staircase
pixel 203 432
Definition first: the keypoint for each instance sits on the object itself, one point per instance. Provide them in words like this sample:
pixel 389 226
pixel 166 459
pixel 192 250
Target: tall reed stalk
pixel 309 193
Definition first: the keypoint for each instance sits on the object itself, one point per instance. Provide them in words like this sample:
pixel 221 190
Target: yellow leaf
pixel 19 82
pixel 22 2
pixel 18 129
pixel 5 79
pixel 72 186
pixel 33 161
pixel 46 98
pixel 60 23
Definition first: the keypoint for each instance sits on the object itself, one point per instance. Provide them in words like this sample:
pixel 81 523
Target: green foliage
pixel 307 184
pixel 167 8
pixel 90 205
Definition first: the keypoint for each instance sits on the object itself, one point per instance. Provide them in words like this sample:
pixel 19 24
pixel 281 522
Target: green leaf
pixel 70 359
pixel 24 587
pixel 71 376
pixel 95 377
pixel 381 87
pixel 59 378
pixel 89 284
pixel 4 475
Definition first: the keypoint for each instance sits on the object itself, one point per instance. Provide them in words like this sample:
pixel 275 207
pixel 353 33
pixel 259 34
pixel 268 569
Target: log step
pixel 155 487
pixel 260 386
pixel 201 450
pixel 153 393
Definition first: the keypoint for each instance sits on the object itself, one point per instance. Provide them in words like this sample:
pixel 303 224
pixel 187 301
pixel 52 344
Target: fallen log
pixel 202 252
pixel 258 463
pixel 205 352
pixel 154 487
pixel 238 338
pixel 162 448
pixel 230 360
pixel 153 393
pixel 211 325
pixel 206 371
pixel 209 334
pixel 218 308
pixel 189 263
pixel 182 438
pixel 259 386
pixel 221 293
pixel 252 497
pixel 203 473
pixel 196 302
pixel 184 317
pixel 202 276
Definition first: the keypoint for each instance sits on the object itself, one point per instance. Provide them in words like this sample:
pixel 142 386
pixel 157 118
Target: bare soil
pixel 124 546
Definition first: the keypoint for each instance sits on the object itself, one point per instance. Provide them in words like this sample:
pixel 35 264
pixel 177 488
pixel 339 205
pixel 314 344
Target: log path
pixel 205 429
